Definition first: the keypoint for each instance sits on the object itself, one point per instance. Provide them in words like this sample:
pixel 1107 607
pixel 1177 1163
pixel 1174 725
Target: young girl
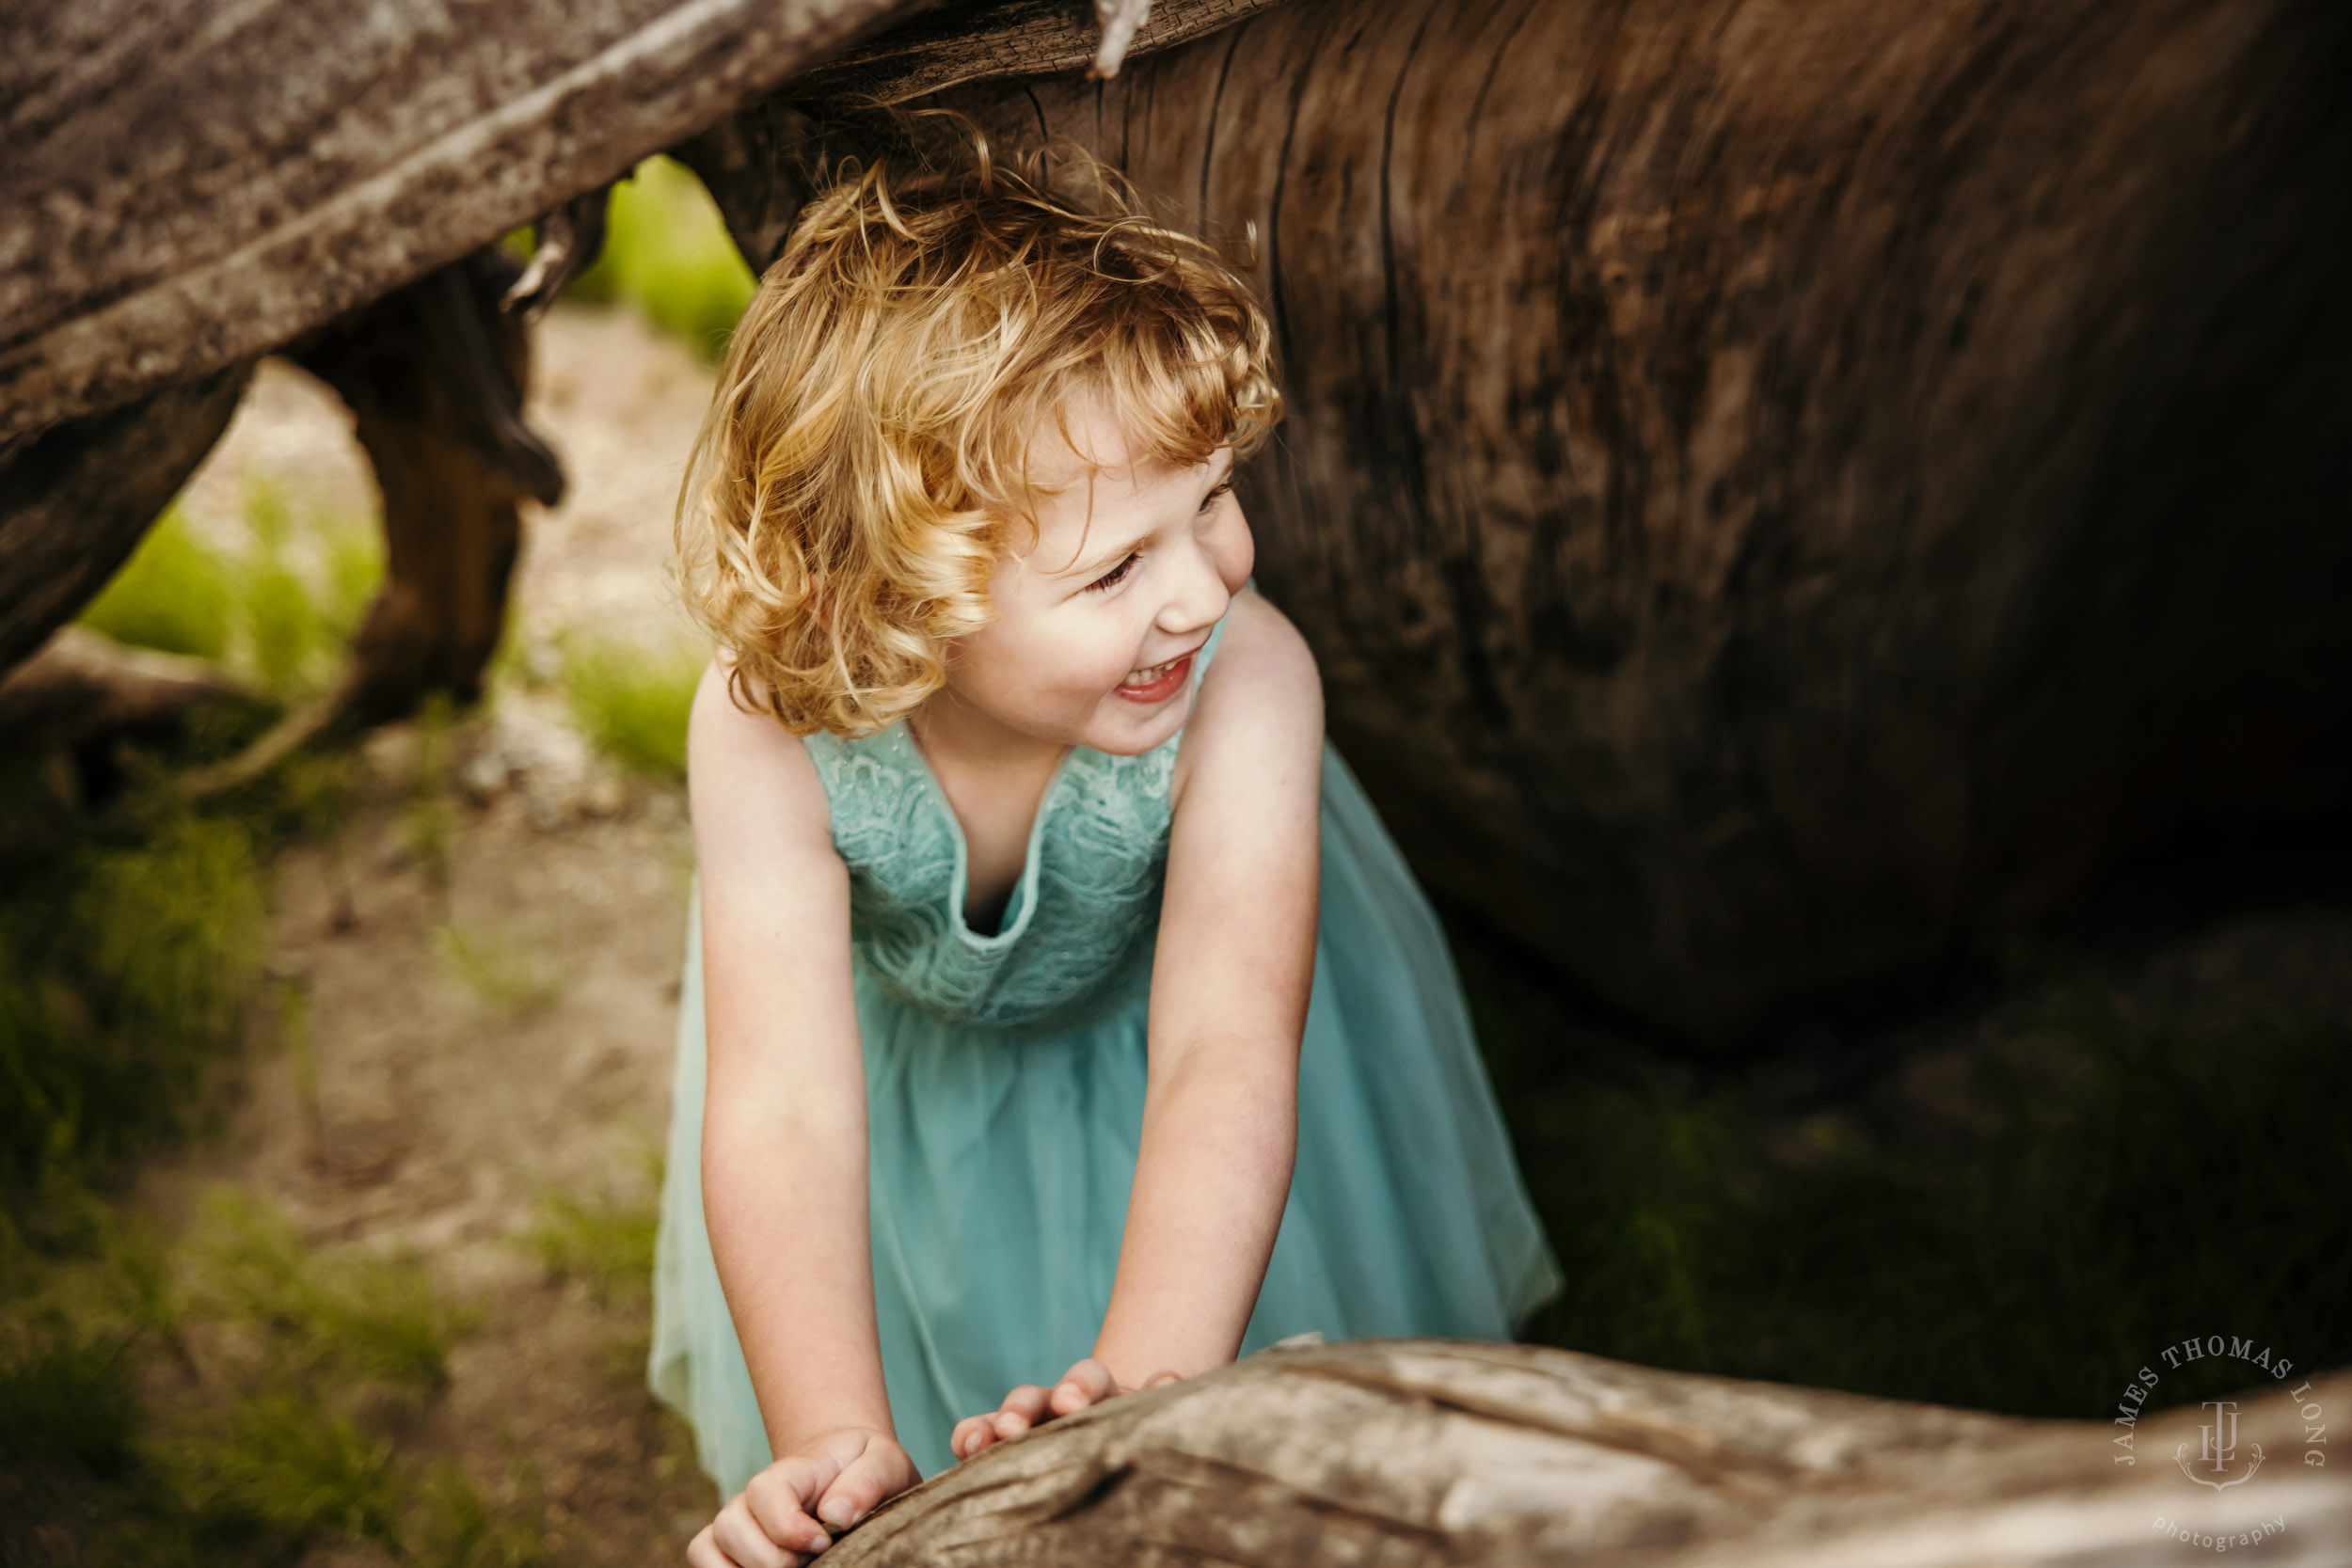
pixel 1054 999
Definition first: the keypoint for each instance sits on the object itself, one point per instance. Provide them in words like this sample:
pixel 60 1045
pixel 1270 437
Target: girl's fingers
pixel 775 1505
pixel 1087 1383
pixel 741 1542
pixel 1161 1380
pixel 1029 1403
pixel 971 1435
pixel 703 1551
pixel 861 1486
pixel 1008 1423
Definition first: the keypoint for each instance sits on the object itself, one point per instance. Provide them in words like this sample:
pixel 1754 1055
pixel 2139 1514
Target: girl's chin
pixel 1129 730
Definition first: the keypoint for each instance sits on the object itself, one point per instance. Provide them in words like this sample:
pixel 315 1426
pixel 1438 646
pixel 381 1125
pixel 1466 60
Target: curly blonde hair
pixel 864 459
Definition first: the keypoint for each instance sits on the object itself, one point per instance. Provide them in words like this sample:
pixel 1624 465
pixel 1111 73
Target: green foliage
pixel 281 606
pixel 354 1318
pixel 666 252
pixel 453 1525
pixel 2110 1180
pixel 122 968
pixel 290 1429
pixel 632 703
pixel 173 594
pixel 65 1391
pixel 605 1243
pixel 290 1467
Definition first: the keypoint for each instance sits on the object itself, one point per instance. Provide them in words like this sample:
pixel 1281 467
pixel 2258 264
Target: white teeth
pixel 1145 677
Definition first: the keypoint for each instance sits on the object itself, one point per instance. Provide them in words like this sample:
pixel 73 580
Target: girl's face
pixel 1098 625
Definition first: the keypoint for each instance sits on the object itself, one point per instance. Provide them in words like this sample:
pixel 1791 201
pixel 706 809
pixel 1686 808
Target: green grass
pixel 123 967
pixel 173 594
pixel 354 1318
pixel 290 1424
pixel 2120 1183
pixel 606 1243
pixel 278 604
pixel 667 254
pixel 632 703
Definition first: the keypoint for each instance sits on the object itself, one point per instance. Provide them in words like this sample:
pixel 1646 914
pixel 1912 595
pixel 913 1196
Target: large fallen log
pixel 1784 497
pixel 187 189
pixel 1377 1454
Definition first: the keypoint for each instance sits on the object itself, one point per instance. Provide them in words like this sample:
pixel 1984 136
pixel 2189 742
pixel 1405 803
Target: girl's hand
pixel 1087 1383
pixel 839 1479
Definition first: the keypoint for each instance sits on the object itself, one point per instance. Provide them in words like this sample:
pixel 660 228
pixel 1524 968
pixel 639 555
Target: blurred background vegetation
pixel 666 254
pixel 232 1394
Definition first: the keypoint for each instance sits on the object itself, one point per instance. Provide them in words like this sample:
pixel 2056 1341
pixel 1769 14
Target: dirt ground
pixel 484 1000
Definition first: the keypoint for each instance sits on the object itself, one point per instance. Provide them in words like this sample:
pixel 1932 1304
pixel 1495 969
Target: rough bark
pixel 1783 495
pixel 187 188
pixel 753 161
pixel 76 500
pixel 1379 1452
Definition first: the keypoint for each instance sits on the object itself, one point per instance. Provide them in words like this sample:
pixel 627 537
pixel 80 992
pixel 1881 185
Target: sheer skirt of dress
pixel 1001 1162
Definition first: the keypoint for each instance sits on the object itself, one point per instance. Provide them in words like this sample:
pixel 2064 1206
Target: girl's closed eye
pixel 1223 487
pixel 1111 577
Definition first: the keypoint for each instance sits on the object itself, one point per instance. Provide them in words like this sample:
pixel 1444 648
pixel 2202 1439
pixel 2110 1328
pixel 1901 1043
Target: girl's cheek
pixel 1236 555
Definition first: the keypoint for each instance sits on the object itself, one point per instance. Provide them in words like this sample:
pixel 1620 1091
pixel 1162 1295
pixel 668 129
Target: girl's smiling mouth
pixel 1159 683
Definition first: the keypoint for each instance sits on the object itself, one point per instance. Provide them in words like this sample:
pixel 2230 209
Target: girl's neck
pixel 969 741
pixel 994 778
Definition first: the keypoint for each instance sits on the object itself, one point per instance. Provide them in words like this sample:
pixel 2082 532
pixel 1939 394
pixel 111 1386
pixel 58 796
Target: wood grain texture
pixel 1785 495
pixel 964 40
pixel 189 186
pixel 1375 1454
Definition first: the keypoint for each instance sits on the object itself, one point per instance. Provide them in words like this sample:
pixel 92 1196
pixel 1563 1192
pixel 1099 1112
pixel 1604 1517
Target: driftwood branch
pixel 81 686
pixel 1380 1453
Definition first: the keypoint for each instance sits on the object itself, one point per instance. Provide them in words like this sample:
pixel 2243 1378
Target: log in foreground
pixel 1395 1452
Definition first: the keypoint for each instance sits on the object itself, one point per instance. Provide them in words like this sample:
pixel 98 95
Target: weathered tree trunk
pixel 76 500
pixel 1397 1452
pixel 1782 495
pixel 435 376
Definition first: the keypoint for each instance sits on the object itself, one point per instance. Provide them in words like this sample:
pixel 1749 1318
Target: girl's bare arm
pixel 1231 978
pixel 783 1147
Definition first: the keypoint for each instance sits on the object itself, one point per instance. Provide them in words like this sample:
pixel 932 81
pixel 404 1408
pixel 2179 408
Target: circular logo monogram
pixel 2224 1456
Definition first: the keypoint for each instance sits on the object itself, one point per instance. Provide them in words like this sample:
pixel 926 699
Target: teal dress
pixel 1005 1078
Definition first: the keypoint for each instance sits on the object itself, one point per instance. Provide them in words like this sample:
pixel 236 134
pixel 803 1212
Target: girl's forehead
pixel 1083 436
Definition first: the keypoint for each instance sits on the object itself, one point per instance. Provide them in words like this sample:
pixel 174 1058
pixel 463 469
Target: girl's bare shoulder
pixel 745 772
pixel 1261 696
pixel 1260 650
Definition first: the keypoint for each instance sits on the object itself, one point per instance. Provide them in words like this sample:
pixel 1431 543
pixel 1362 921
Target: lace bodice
pixel 1079 920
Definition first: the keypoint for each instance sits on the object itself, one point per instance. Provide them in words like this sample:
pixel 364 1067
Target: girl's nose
pixel 1198 600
